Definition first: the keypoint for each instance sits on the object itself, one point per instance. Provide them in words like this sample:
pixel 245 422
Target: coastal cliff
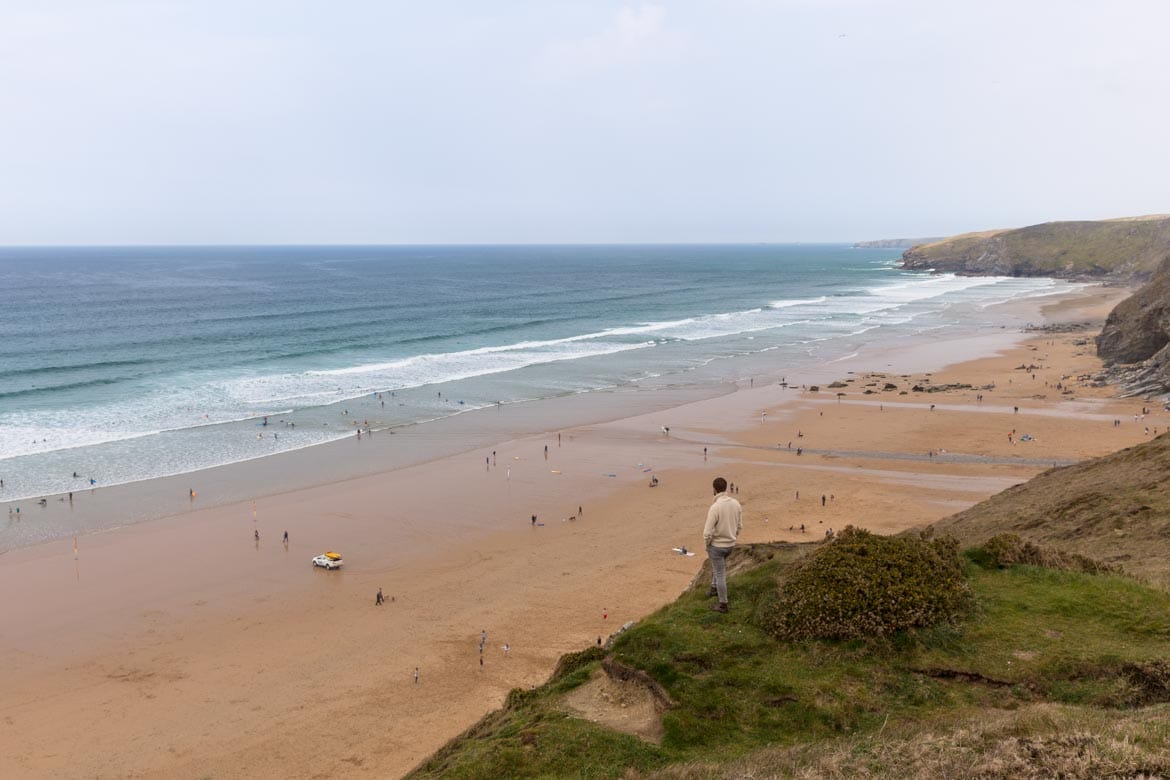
pixel 1137 331
pixel 1120 249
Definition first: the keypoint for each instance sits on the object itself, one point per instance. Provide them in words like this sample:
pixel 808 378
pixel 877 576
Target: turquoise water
pixel 120 364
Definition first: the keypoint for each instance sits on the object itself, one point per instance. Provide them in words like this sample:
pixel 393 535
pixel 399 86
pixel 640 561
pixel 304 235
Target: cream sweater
pixel 724 522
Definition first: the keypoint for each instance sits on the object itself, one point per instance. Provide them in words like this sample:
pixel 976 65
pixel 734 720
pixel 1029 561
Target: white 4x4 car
pixel 329 560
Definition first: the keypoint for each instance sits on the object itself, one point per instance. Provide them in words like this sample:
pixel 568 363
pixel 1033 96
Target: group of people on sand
pixel 44 502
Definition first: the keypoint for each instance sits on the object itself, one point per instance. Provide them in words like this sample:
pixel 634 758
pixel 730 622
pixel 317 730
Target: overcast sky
pixel 587 121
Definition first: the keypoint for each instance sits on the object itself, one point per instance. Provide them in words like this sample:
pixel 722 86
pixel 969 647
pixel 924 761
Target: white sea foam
pixel 17 440
pixel 931 287
pixel 845 357
pixel 200 400
pixel 416 371
pixel 796 302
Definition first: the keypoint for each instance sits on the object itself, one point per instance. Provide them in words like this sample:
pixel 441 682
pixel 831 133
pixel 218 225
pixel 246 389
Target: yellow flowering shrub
pixel 862 585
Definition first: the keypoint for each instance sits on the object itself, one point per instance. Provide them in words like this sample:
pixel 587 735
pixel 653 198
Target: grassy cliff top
pixel 1115 509
pixel 1129 247
pixel 1054 672
pixel 1048 657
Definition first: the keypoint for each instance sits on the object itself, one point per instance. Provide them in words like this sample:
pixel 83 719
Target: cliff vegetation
pixel 1121 249
pixel 1045 660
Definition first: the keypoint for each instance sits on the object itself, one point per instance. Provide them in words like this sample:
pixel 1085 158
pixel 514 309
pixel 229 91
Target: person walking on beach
pixel 724 522
pixel 256 534
pixel 378 599
pixel 285 540
pixel 416 675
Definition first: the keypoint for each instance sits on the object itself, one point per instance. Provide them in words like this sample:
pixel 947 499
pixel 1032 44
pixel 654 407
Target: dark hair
pixel 720 484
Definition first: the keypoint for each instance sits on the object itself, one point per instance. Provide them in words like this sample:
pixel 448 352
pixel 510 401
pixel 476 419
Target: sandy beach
pixel 184 647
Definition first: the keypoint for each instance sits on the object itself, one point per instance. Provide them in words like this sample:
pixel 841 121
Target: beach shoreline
pixel 195 649
pixel 102 507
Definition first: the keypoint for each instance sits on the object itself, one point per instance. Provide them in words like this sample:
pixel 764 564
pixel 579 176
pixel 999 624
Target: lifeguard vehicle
pixel 329 560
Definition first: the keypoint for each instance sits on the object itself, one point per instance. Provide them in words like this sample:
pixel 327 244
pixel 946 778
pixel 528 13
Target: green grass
pixel 1089 248
pixel 1039 636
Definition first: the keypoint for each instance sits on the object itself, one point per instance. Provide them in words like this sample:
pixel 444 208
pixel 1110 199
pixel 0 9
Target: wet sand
pixel 180 647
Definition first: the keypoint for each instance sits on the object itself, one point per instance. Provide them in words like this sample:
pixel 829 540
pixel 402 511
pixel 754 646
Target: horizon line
pixel 431 244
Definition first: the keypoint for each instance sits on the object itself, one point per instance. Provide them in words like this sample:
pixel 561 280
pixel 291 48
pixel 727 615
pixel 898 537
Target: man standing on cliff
pixel 724 521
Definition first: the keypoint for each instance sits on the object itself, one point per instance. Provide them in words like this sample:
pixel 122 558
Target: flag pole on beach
pixel 75 548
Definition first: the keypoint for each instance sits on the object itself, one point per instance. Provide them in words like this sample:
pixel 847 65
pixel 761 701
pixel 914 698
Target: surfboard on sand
pixel 679 550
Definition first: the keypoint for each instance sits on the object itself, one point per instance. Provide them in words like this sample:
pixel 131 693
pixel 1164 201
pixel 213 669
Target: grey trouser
pixel 718 558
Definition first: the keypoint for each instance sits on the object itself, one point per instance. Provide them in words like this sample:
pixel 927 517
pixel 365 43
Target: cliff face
pixel 1128 249
pixel 1139 326
pixel 1138 331
pixel 1135 341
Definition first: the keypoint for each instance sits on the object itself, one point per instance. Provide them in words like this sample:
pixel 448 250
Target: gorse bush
pixel 861 585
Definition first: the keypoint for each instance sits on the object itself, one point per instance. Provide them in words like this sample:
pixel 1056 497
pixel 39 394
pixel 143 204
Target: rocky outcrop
pixel 1135 342
pixel 1122 249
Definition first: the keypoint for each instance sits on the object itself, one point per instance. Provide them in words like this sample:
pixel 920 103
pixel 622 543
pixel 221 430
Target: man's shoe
pixel 720 607
pixel 712 591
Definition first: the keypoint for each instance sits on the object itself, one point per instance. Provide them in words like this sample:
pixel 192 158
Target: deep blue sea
pixel 121 364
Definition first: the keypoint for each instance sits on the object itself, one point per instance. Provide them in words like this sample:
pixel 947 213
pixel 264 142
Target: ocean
pixel 124 364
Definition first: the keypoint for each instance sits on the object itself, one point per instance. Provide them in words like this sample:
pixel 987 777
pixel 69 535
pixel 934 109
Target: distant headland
pixel 895 243
pixel 1132 251
pixel 1127 249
